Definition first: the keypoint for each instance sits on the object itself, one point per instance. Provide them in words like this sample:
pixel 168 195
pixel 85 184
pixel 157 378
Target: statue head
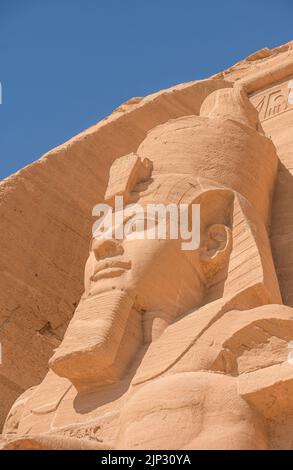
pixel 135 286
pixel 152 262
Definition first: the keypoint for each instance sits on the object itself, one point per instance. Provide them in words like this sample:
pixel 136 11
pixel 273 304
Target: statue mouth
pixel 110 268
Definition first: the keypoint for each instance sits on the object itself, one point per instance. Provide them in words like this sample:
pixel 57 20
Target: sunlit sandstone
pixel 171 349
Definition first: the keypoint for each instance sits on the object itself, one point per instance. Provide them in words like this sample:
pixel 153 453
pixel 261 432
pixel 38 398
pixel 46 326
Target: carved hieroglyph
pixel 273 101
pixel 170 348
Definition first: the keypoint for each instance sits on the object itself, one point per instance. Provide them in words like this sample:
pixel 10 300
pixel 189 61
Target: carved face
pixel 134 288
pixel 158 274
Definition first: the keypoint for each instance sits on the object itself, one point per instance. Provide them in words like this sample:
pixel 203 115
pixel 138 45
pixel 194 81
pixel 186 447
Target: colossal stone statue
pixel 171 348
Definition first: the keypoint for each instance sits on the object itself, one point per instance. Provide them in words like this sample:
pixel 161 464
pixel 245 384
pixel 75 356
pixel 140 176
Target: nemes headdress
pixel 210 158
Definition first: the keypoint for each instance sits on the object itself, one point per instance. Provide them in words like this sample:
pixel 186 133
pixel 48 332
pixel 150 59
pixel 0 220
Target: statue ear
pixel 215 250
pixel 215 242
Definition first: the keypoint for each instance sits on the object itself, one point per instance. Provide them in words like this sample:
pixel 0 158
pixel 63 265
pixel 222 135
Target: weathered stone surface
pixel 46 216
pixel 161 338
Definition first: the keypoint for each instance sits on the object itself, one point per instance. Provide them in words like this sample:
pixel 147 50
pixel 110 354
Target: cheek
pixel 160 277
pixel 160 270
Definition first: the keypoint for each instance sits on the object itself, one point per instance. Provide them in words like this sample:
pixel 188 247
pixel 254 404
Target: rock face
pixel 156 337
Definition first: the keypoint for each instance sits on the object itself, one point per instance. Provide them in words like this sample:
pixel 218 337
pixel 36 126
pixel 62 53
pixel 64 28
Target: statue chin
pixel 94 351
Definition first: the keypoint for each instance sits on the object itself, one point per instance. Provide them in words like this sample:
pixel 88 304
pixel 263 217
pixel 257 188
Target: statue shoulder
pixel 230 342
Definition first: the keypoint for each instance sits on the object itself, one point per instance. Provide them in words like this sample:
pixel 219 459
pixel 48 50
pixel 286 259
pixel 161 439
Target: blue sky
pixel 65 64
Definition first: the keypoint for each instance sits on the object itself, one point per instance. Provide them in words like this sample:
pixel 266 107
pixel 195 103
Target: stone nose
pixel 105 248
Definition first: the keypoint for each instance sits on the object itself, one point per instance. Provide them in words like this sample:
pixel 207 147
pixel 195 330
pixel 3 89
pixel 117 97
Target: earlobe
pixel 215 251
